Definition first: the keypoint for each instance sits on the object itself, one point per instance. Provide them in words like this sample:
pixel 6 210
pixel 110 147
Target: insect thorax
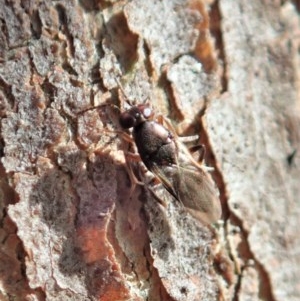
pixel 155 144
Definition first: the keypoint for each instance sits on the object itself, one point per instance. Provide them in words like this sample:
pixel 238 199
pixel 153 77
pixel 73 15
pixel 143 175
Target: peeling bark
pixel 72 227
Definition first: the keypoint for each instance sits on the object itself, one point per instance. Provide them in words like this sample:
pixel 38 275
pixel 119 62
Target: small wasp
pixel 171 162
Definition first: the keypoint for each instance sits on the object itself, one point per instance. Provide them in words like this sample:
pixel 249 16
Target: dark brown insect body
pixel 154 142
pixel 172 163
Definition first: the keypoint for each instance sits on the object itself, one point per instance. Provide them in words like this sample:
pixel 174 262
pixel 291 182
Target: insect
pixel 171 162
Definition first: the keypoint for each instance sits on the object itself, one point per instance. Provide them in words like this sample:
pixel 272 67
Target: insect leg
pixel 187 139
pixel 132 157
pixel 199 148
pixel 158 199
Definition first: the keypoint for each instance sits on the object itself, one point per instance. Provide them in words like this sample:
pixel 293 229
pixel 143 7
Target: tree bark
pixel 73 226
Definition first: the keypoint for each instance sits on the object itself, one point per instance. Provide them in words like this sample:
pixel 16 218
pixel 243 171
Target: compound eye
pixel 127 120
pixel 147 112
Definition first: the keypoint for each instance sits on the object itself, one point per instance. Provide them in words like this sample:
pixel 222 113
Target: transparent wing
pixel 198 194
pixel 165 176
pixel 194 188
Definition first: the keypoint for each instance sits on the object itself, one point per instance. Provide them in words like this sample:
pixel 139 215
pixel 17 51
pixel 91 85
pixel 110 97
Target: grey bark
pixel 72 226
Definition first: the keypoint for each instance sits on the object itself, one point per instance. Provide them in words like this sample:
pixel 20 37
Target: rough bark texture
pixel 71 226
